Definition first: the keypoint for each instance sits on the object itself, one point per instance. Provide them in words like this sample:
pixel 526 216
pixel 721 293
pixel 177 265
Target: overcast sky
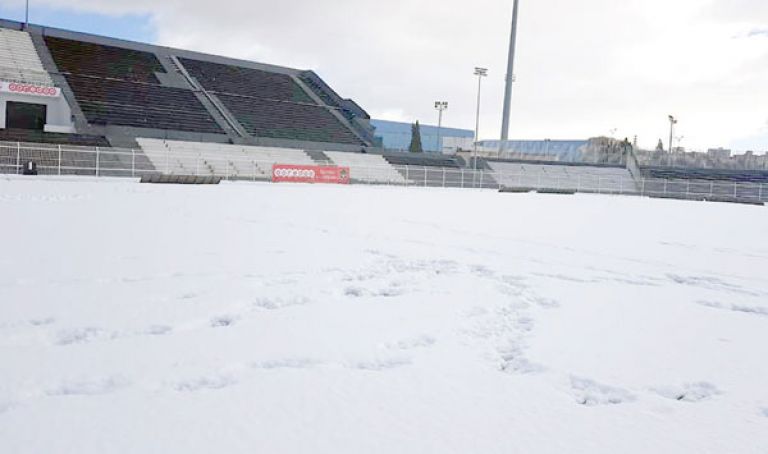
pixel 584 67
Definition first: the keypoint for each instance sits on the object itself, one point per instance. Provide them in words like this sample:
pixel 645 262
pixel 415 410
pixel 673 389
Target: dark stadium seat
pixel 116 86
pixel 32 136
pixel 716 175
pixel 270 104
pixel 285 120
pixel 77 57
pixel 422 160
pixel 237 80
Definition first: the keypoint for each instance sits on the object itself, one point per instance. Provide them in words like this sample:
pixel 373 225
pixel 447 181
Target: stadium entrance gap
pixel 22 115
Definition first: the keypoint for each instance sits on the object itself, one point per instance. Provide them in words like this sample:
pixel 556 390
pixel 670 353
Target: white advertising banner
pixel 19 88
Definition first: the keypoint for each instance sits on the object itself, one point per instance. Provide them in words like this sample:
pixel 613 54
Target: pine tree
pixel 415 146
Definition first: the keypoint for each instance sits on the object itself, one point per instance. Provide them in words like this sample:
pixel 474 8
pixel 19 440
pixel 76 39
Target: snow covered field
pixel 259 318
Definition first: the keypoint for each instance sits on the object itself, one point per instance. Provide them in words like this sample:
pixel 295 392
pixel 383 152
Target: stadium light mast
pixel 672 123
pixel 480 73
pixel 440 106
pixel 510 77
pixel 26 16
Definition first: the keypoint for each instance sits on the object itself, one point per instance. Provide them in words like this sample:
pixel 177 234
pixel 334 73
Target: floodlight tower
pixel 510 76
pixel 440 106
pixel 672 123
pixel 480 73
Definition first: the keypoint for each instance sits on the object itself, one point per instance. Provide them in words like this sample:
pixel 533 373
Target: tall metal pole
pixel 26 17
pixel 510 76
pixel 480 73
pixel 439 127
pixel 440 106
pixel 672 123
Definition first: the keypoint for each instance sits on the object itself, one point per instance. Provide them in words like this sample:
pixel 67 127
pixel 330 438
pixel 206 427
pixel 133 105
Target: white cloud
pixel 584 68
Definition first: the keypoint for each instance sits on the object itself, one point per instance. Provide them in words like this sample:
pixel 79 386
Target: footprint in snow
pixel 379 365
pixel 412 343
pixel 751 310
pixel 689 392
pixel 83 335
pixel 204 383
pixel 287 363
pixel 279 302
pixel 591 393
pixel 88 387
pixel 223 321
pixel 513 361
pixel 158 330
pixel 42 321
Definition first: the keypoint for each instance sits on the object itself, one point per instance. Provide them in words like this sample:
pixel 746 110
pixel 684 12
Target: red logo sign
pixel 27 89
pixel 288 173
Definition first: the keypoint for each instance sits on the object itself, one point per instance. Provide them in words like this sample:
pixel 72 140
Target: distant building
pixel 395 135
pixel 719 153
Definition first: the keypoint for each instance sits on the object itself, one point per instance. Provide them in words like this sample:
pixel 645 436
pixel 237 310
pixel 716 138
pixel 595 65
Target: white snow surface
pixel 263 318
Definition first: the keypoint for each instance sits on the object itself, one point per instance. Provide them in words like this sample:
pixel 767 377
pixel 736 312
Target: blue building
pixel 397 136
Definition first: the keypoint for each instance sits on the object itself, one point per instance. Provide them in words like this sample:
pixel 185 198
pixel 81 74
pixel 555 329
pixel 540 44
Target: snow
pixel 246 318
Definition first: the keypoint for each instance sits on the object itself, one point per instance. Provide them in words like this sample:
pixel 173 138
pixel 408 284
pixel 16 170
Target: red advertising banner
pixel 29 89
pixel 288 173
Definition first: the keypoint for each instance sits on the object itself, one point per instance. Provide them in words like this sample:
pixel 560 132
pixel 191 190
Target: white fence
pixel 63 160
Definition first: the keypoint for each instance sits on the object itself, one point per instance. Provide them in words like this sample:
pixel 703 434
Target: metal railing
pixel 66 160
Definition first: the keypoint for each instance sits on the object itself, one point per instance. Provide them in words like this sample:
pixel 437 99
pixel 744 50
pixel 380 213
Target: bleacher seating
pixel 563 176
pixel 270 104
pixel 722 175
pixel 367 168
pixel 19 61
pixel 105 101
pixel 78 57
pixel 250 82
pixel 116 86
pixel 34 136
pixel 286 120
pixel 231 161
pixel 421 160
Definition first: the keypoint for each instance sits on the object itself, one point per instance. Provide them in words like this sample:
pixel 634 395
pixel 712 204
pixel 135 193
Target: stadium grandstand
pixel 79 104
pixel 61 85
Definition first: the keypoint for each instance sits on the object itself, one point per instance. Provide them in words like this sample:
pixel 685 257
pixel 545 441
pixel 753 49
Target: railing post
pixel 197 165
pixel 462 178
pixel 642 188
pixel 711 188
pixel 425 176
pixel 59 160
pixel 407 175
pixel 443 177
pixel 98 158
pixel 688 189
pixel 481 178
pixel 18 158
pixel 735 190
pixel 759 192
pixel 167 159
pixel 665 186
pixel 133 163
